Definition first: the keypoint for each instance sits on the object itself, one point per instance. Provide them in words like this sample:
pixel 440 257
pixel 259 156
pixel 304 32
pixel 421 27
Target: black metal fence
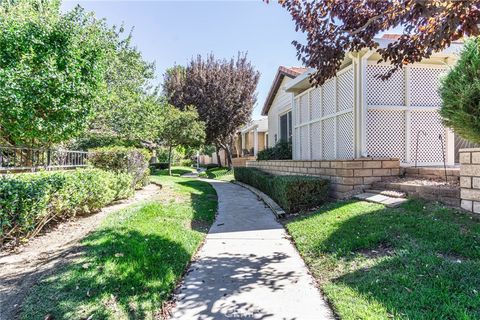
pixel 29 159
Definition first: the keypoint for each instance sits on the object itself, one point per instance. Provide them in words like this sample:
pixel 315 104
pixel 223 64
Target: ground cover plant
pixel 29 201
pixel 129 267
pixel 218 173
pixel 292 193
pixel 418 261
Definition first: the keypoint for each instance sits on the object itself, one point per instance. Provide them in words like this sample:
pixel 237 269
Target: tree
pixel 130 108
pixel 460 92
pixel 334 27
pixel 223 91
pixel 180 128
pixel 52 69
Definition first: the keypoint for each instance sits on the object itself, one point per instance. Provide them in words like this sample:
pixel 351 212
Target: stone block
pixel 362 172
pixel 476 206
pixel 475 159
pixel 381 172
pixel 470 194
pixel 341 187
pixel 344 172
pixel 325 164
pixel 475 182
pixel 352 180
pixel 390 164
pixel 470 170
pixel 353 165
pixel 372 164
pixel 330 171
pixel 465 158
pixel 336 164
pixel 466 205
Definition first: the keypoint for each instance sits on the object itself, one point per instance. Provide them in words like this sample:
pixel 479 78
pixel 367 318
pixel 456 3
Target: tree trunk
pixel 219 160
pixel 229 157
pixel 170 160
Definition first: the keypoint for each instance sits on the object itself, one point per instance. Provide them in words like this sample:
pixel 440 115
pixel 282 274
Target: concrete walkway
pixel 247 268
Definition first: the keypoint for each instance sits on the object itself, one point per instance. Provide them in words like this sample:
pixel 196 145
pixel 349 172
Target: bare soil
pixel 42 255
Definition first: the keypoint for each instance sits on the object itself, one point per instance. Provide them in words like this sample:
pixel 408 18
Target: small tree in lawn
pixel 223 91
pixel 334 27
pixel 460 92
pixel 180 128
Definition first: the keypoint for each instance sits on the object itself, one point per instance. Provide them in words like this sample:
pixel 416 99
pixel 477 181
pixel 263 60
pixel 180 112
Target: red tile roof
pixel 283 71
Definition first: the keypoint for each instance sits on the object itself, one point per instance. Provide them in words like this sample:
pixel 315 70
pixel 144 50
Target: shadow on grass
pixel 176 172
pixel 204 203
pixel 123 274
pixel 419 261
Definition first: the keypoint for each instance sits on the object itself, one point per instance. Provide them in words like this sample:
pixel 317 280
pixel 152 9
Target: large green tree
pixel 180 128
pixel 52 71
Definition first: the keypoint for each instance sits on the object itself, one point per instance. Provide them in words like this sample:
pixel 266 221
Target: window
pixel 286 126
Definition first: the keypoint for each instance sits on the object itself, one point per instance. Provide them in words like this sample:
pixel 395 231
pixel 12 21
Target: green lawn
pixel 176 171
pixel 419 261
pixel 131 264
pixel 219 173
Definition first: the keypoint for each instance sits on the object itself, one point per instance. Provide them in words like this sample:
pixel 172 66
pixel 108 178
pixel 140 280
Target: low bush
pixel 122 159
pixel 185 163
pixel 292 193
pixel 210 165
pixel 29 201
pixel 281 151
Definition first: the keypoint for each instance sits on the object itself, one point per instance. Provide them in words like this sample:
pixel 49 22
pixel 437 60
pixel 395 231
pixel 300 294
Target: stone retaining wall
pixel 348 177
pixel 470 179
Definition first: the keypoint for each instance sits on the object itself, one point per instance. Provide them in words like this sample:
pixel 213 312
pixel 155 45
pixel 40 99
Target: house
pixel 251 138
pixel 278 105
pixel 356 114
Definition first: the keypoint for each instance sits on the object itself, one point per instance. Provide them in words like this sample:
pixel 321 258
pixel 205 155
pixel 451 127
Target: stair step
pixel 389 202
pixel 388 193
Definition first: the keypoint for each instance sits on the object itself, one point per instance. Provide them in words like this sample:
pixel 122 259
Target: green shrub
pixel 122 159
pixel 185 163
pixel 292 193
pixel 460 92
pixel 281 151
pixel 92 140
pixel 29 201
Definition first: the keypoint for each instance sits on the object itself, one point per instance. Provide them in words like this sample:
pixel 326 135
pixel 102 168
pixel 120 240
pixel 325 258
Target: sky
pixel 172 32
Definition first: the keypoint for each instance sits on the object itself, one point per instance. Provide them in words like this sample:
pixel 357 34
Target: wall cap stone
pixel 469 150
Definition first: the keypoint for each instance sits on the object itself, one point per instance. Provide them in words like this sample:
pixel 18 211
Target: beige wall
pixel 470 179
pixel 347 177
pixel 281 104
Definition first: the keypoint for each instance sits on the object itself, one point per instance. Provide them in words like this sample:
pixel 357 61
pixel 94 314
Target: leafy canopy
pixel 52 68
pixel 334 27
pixel 460 92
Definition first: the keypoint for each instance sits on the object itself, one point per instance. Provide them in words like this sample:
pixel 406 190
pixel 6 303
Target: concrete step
pixel 387 201
pixel 388 193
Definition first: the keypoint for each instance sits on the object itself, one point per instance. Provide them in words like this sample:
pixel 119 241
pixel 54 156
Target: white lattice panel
pixel 304 107
pixel 328 138
pixel 389 92
pixel 345 136
pixel 386 134
pixel 296 105
pixel 328 97
pixel 315 140
pixel 345 90
pixel 296 147
pixel 304 143
pixel 315 104
pixel 424 84
pixel 429 146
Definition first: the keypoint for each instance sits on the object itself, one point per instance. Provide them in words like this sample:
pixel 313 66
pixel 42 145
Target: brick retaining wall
pixel 348 177
pixel 470 179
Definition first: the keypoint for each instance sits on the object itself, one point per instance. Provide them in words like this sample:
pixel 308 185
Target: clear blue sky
pixel 170 32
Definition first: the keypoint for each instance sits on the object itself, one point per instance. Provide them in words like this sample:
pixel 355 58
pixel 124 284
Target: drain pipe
pixel 443 154
pixel 416 151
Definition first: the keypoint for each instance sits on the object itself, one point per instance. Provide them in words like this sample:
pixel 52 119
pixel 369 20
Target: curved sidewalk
pixel 247 268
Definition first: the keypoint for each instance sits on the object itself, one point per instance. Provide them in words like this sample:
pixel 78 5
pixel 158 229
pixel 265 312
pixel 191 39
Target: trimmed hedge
pixel 29 201
pixel 123 159
pixel 292 193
